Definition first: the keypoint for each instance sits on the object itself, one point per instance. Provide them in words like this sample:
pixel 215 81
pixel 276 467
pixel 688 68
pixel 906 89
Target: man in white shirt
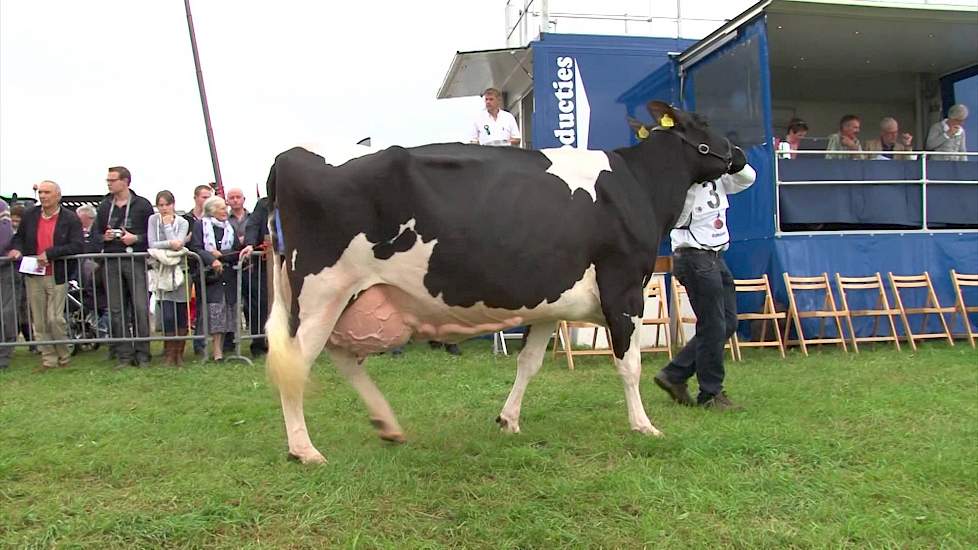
pixel 698 242
pixel 494 126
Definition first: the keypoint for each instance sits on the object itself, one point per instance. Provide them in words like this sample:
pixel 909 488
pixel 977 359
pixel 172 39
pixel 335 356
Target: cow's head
pixel 708 154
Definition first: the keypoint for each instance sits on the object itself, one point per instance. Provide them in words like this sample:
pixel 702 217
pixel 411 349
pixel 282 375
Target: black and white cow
pixel 448 241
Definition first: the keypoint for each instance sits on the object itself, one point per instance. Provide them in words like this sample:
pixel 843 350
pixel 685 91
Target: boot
pixel 178 347
pixel 168 359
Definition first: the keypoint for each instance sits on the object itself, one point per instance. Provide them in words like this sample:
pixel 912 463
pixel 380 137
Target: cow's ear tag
pixel 666 121
pixel 643 132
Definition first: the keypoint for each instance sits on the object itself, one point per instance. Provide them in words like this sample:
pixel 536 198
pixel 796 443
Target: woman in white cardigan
pixel 167 231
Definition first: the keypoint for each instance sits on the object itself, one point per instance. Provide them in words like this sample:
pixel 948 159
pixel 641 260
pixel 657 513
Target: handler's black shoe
pixel 678 392
pixel 718 402
pixel 453 349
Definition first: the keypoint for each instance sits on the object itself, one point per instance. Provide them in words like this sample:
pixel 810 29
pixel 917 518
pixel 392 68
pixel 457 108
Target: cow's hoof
pixel 648 430
pixel 507 426
pixel 386 432
pixel 313 457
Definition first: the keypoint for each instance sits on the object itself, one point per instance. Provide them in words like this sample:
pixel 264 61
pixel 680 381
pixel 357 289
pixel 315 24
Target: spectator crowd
pixel 141 259
pixel 946 136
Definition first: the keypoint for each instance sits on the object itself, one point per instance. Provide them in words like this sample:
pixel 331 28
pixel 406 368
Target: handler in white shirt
pixel 698 242
pixel 494 126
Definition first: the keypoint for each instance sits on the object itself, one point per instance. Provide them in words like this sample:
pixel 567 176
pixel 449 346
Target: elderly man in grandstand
pixel 493 125
pixel 889 141
pixel 947 135
pixel 46 235
pixel 846 139
pixel 8 288
pixel 123 217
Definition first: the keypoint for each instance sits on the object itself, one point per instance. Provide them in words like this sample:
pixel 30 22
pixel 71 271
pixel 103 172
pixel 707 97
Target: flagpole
pixel 203 100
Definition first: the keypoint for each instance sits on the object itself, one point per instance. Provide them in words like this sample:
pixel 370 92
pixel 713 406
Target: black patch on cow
pixel 401 243
pixel 507 233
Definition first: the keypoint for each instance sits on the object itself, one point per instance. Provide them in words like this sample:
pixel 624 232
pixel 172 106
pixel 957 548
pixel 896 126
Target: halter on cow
pixel 405 242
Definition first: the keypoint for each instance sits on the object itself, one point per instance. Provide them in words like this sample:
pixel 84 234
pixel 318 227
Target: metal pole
pixel 203 99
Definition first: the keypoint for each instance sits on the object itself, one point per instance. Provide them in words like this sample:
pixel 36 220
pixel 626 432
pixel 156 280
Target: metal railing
pixel 251 309
pixel 95 285
pixel 921 157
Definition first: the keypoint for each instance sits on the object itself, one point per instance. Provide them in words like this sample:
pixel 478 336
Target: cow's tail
pixel 285 364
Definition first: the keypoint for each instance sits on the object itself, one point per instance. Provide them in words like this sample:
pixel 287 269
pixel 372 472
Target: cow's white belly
pixel 394 304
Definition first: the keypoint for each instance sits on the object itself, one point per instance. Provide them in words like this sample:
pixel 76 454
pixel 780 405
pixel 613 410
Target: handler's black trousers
pixel 714 300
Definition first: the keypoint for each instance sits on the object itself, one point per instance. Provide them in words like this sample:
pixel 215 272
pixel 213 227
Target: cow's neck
pixel 660 165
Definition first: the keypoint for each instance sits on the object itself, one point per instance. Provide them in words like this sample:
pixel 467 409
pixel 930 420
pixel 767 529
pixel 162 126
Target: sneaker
pixel 678 392
pixel 719 402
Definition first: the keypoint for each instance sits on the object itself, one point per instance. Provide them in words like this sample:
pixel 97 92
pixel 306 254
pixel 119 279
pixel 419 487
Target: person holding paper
pixel 45 236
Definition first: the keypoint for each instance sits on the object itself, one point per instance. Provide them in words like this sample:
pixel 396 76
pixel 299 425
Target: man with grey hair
pixel 46 235
pixel 890 140
pixel 948 135
pixel 493 125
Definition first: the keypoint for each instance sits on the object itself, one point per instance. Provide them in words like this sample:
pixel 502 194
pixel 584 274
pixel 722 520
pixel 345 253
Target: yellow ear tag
pixel 666 121
pixel 643 132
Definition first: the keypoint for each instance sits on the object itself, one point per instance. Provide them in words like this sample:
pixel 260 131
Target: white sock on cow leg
pixel 300 446
pixel 528 363
pixel 381 415
pixel 630 369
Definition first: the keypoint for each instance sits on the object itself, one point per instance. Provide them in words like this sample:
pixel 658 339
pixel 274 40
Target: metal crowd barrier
pixel 91 287
pixel 253 303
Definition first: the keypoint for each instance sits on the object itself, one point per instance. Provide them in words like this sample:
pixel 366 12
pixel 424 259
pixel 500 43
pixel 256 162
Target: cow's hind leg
pixel 527 365
pixel 381 414
pixel 290 359
pixel 630 368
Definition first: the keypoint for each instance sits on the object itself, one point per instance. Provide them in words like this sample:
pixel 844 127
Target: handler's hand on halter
pixel 737 161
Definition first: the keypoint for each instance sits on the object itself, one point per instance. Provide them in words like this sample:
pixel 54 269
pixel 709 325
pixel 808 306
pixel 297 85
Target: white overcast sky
pixel 89 84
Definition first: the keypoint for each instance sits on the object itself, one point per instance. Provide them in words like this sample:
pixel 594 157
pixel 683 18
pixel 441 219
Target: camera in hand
pixel 117 233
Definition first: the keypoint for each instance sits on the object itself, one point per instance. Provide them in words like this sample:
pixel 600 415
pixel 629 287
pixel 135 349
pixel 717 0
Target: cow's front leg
pixel 629 365
pixel 381 415
pixel 528 363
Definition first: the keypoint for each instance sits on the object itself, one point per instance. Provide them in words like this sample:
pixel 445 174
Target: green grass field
pixel 878 450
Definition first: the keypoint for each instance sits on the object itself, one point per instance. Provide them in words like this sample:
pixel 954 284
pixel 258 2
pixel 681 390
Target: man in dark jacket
pixel 8 289
pixel 123 219
pixel 255 282
pixel 45 235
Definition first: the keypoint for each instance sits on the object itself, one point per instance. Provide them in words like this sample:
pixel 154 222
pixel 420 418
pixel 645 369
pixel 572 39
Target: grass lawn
pixel 877 450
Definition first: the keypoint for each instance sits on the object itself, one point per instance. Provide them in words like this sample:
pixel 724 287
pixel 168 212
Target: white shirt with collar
pixel 703 221
pixel 494 131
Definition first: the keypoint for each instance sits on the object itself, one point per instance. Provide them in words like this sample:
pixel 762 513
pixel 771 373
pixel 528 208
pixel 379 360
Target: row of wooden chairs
pixel 800 291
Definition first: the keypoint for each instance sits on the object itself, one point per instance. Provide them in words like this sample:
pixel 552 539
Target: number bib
pixel 707 224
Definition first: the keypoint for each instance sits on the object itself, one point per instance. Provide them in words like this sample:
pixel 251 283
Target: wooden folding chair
pixel 659 317
pixel 563 338
pixel 684 316
pixel 930 307
pixel 882 308
pixel 828 311
pixel 960 280
pixel 766 314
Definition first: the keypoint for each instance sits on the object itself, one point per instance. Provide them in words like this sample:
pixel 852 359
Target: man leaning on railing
pixel 45 235
pixel 124 218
